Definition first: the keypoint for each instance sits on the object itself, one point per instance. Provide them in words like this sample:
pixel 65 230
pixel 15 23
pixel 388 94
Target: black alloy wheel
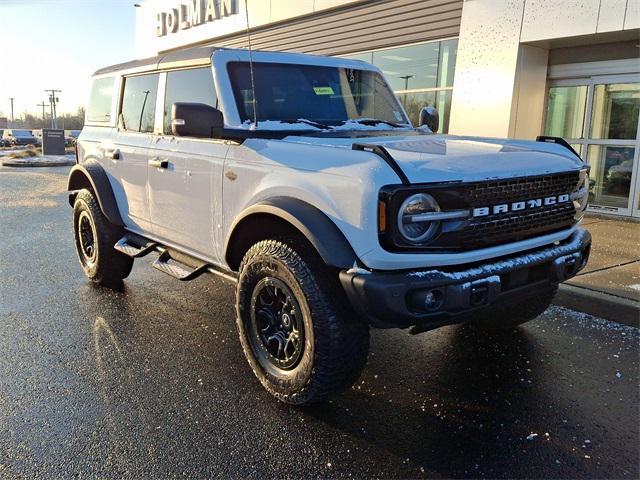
pixel 277 329
pixel 87 238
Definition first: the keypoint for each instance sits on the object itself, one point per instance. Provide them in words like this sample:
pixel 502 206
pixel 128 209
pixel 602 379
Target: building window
pixel 565 114
pixel 420 75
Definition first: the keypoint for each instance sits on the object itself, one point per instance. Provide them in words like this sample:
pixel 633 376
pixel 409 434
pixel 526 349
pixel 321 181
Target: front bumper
pixel 397 299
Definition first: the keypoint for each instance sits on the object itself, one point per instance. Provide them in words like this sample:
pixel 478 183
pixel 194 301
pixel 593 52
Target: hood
pixel 445 158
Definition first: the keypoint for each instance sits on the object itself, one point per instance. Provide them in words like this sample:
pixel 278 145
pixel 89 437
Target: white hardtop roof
pixel 201 56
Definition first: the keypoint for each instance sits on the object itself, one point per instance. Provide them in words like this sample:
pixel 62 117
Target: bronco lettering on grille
pixel 522 205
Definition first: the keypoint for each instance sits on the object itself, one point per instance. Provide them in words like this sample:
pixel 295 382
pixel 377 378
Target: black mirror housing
pixel 430 117
pixel 196 120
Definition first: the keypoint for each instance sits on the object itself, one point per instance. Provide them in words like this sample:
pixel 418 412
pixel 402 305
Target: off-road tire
pixel 336 341
pixel 105 266
pixel 508 316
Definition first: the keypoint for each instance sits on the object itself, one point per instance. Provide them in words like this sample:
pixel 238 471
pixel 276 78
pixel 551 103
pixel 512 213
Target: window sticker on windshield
pixel 398 116
pixel 323 90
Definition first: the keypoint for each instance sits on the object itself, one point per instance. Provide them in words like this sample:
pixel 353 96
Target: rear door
pixel 128 155
pixel 185 174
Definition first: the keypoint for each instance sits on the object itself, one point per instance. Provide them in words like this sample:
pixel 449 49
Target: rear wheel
pixel 297 331
pixel 94 238
pixel 502 317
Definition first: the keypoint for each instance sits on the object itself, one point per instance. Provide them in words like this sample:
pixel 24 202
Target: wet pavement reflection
pixel 151 382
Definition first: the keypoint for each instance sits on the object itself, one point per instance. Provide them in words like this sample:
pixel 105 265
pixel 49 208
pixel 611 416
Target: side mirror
pixel 429 116
pixel 196 120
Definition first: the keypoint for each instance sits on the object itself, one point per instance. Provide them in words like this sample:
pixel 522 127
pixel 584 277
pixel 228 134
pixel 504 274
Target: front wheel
pixel 94 238
pixel 298 333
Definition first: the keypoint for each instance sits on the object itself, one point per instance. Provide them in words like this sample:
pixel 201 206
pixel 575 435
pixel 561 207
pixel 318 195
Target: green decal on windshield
pixel 323 90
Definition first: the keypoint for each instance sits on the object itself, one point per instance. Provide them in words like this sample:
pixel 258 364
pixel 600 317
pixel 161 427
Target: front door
pixel 185 174
pixel 600 116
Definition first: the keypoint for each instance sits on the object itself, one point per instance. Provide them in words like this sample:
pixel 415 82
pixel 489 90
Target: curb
pixel 599 304
pixel 37 163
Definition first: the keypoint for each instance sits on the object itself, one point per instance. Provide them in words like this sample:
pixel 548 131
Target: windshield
pixel 325 95
pixel 21 133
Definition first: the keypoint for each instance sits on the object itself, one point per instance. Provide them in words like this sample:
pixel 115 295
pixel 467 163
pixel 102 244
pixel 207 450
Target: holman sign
pixel 192 14
pixel 163 25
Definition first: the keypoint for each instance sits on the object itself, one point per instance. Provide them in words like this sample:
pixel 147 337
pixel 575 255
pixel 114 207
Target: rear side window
pixel 139 103
pixel 99 108
pixel 193 85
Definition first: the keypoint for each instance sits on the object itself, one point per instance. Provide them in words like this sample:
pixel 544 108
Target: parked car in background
pixel 71 136
pixel 20 137
pixel 3 141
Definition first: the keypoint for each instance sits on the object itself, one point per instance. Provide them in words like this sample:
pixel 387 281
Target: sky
pixel 59 44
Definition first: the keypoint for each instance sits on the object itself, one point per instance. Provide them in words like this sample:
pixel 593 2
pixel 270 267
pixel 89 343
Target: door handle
pixel 112 153
pixel 158 163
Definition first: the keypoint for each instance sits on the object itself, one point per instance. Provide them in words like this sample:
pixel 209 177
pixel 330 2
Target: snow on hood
pixel 439 158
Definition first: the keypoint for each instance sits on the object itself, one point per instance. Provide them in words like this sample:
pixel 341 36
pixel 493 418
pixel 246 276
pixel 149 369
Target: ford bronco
pixel 301 179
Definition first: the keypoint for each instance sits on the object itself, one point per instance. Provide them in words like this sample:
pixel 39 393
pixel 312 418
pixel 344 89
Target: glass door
pixel 599 117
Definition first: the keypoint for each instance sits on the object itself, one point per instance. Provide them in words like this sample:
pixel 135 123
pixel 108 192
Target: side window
pixel 139 103
pixel 99 108
pixel 193 85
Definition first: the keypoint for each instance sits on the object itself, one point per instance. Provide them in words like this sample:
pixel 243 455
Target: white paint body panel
pixel 213 182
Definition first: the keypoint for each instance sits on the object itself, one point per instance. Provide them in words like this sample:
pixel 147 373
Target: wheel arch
pixel 91 175
pixel 279 215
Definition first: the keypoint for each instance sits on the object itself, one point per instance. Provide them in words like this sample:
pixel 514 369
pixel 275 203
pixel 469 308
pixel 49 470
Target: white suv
pixel 301 179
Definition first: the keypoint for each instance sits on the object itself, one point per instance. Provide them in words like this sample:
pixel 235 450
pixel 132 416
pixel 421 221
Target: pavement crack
pixel 608 267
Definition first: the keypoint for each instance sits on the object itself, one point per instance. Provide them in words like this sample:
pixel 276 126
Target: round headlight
pixel 410 225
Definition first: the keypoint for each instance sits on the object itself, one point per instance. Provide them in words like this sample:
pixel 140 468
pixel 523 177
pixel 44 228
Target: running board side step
pixel 172 262
pixel 129 246
pixel 166 264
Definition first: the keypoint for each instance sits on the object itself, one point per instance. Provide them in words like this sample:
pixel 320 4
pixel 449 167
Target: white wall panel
pixel 547 19
pixel 283 9
pixel 322 4
pixel 611 17
pixel 486 67
pixel 632 16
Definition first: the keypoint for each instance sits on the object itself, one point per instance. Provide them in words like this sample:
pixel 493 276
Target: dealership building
pixel 497 68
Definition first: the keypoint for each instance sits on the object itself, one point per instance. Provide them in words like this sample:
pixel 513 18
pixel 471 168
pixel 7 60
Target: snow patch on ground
pixel 585 320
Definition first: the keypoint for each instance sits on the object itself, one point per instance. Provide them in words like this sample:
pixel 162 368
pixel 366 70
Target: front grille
pixel 505 191
pixel 509 227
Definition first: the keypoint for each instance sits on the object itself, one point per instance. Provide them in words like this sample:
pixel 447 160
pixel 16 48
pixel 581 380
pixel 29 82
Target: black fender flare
pixel 315 225
pixel 90 174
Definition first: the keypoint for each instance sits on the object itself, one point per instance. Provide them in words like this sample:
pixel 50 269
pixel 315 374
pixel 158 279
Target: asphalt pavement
pixel 151 382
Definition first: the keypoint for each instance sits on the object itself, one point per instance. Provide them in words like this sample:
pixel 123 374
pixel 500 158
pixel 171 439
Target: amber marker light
pixel 382 217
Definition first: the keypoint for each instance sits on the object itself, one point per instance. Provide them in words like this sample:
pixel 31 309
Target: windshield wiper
pixel 375 121
pixel 308 122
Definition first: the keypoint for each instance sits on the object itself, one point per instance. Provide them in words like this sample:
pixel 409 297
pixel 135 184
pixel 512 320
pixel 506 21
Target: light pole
pixel 11 99
pixel 406 87
pixel 44 118
pixel 53 99
pixel 406 80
